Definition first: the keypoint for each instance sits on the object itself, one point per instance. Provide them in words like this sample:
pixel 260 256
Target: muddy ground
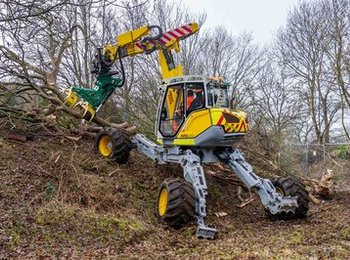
pixel 59 199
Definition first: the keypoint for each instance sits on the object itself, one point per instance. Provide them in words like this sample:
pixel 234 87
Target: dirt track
pixel 58 199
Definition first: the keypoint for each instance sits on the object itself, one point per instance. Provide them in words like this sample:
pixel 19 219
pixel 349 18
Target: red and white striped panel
pixel 180 32
pixel 177 33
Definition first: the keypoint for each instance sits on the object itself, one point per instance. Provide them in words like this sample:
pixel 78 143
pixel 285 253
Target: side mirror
pixel 232 102
pixel 163 114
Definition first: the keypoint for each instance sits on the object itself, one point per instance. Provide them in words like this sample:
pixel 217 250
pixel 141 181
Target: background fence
pixel 313 161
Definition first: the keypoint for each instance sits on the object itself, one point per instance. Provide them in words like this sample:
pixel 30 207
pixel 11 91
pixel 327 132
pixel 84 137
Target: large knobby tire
pixel 115 144
pixel 176 203
pixel 290 187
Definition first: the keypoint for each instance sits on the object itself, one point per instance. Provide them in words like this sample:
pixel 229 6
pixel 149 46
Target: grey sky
pixel 261 17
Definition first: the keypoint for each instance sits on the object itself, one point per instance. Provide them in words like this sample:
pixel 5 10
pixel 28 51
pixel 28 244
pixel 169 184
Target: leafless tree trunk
pixel 338 53
pixel 302 53
pixel 36 36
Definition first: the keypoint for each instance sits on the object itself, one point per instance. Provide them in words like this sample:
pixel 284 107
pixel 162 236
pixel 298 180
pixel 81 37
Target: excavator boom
pixel 130 43
pixel 134 42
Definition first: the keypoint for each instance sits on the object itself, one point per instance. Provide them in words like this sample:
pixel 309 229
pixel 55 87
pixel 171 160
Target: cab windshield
pixel 217 95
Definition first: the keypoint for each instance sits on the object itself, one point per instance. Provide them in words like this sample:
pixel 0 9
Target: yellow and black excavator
pixel 195 125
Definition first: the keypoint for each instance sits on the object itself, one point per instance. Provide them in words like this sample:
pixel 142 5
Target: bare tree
pixel 338 53
pixel 276 106
pixel 301 47
pixel 33 46
pixel 236 58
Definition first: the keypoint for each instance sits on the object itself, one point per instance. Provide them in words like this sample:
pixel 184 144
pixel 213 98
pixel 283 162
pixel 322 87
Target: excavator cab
pixel 194 111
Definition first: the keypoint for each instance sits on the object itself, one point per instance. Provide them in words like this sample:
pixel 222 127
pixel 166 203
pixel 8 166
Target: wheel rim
pixel 163 202
pixel 105 145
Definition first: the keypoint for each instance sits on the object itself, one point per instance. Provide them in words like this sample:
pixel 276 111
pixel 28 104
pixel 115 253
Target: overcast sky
pixel 261 17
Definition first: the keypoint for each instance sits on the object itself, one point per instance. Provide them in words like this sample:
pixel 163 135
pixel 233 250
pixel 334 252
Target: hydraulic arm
pixel 131 43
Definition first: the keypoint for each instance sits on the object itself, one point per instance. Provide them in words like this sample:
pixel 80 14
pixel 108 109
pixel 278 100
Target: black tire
pixel 290 187
pixel 114 143
pixel 178 207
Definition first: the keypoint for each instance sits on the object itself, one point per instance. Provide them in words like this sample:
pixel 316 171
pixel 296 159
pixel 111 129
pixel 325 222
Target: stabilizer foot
pixel 206 232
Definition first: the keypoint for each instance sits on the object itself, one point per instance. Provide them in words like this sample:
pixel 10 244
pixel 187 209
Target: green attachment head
pixel 104 87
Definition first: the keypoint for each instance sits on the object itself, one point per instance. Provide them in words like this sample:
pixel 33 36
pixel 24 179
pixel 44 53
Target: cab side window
pixel 217 96
pixel 195 97
pixel 172 112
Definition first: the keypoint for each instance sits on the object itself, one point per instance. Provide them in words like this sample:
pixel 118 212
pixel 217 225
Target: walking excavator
pixel 195 125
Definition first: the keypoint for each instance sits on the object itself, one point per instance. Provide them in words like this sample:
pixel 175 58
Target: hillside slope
pixel 59 199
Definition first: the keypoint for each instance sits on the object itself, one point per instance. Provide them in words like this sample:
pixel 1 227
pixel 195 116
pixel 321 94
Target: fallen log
pixel 324 187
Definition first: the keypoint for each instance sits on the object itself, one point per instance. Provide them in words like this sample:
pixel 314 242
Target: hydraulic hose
pixel 121 66
pixel 152 38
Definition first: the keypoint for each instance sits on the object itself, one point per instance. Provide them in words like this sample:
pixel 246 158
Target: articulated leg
pixel 193 172
pixel 271 200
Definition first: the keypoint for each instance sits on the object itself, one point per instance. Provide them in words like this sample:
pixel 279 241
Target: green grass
pixel 71 222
